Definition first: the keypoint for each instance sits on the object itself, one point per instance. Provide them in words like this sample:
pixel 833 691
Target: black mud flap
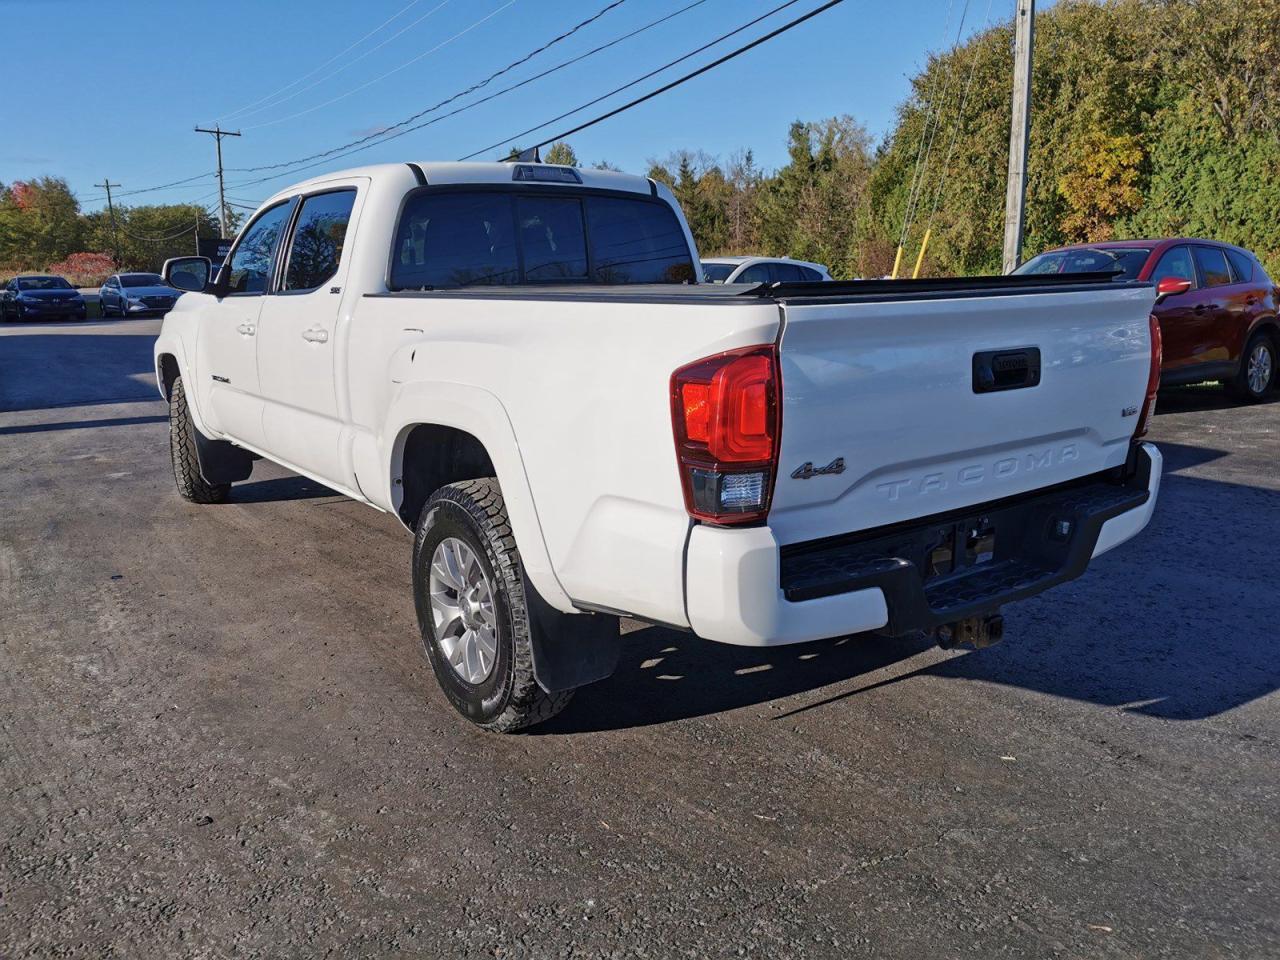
pixel 222 461
pixel 570 650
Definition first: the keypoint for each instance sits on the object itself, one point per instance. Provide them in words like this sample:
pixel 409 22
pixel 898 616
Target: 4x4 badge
pixel 808 470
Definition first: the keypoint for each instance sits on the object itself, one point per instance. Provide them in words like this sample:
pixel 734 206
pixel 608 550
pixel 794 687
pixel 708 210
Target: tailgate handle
pixel 1009 369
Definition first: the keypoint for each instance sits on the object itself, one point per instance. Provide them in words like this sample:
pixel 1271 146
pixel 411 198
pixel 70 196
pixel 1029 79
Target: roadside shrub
pixel 84 269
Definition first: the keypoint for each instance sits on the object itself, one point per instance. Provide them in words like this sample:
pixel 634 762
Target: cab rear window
pixel 451 239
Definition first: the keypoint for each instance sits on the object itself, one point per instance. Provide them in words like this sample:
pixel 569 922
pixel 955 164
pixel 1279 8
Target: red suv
pixel 1216 305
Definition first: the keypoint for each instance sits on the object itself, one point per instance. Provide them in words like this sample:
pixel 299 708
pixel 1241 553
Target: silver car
pixel 761 270
pixel 136 294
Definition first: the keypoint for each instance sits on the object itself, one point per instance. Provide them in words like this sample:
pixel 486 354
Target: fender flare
pixel 481 414
pixel 174 347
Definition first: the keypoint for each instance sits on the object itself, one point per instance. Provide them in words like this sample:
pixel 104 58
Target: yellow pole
pixel 924 245
pixel 897 262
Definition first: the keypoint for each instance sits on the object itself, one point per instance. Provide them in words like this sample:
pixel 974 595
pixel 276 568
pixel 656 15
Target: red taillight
pixel 726 412
pixel 1153 379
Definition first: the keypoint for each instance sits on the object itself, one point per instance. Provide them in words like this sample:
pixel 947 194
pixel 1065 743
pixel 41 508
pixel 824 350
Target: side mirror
pixel 1171 287
pixel 187 273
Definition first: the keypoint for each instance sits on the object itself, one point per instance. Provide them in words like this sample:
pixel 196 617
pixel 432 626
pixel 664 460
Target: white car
pixel 136 294
pixel 517 361
pixel 762 270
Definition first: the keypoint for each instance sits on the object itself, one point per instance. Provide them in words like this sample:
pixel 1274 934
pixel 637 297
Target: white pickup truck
pixel 517 361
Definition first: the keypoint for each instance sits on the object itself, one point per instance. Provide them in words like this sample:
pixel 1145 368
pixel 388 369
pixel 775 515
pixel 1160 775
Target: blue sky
pixel 114 90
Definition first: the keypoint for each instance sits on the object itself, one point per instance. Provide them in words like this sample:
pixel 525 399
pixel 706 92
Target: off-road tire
pixel 192 485
pixel 509 698
pixel 1239 386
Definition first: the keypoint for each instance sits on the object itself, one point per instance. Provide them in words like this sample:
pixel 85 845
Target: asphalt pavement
pixel 219 737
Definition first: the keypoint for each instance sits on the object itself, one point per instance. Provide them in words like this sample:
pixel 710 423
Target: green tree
pixel 39 222
pixel 560 152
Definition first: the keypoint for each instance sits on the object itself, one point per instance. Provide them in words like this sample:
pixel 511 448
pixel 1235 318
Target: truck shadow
pixel 1179 624
pixel 72 368
pixel 1199 398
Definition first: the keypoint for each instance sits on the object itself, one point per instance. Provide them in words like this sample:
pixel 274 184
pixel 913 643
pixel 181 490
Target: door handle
pixel 315 335
pixel 248 329
pixel 1201 308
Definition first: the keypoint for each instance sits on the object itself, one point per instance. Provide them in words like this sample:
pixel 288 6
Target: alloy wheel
pixel 462 610
pixel 1260 369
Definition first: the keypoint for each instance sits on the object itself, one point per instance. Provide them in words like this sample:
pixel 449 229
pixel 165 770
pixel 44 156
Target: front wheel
pixel 192 486
pixel 473 609
pixel 1257 370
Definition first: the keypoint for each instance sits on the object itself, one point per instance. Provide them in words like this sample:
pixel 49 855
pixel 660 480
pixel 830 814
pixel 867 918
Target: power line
pixel 173 236
pixel 369 83
pixel 381 135
pixel 917 187
pixel 669 86
pixel 955 133
pixel 349 63
pixel 402 127
pixel 342 53
pixel 361 145
pixel 163 186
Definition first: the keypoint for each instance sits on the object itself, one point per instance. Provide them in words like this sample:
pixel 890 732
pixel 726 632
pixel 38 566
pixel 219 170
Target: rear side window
pixel 808 273
pixel 756 273
pixel 251 264
pixel 1175 263
pixel 457 239
pixel 316 248
pixel 1242 265
pixel 1213 266
pixel 787 273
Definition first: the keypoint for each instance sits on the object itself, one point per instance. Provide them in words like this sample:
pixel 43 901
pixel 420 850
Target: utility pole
pixel 218 134
pixel 1019 130
pixel 106 184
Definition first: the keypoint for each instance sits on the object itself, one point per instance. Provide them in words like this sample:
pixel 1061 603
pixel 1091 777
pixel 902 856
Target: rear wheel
pixel 1257 370
pixel 192 485
pixel 473 609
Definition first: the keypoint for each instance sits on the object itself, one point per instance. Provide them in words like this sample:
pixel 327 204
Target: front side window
pixel 316 248
pixel 486 238
pixel 1175 263
pixel 1213 266
pixel 251 264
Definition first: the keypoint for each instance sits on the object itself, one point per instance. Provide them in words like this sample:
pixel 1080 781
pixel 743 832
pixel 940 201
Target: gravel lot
pixel 218 736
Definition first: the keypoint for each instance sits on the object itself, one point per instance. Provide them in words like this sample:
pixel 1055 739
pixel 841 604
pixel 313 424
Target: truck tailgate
pixel 931 403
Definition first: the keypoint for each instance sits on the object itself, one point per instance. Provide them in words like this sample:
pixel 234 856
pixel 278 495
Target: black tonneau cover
pixel 939 288
pixel 934 287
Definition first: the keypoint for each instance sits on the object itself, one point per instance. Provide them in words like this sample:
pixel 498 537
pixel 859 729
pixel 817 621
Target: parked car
pixel 40 298
pixel 512 359
pixel 761 270
pixel 1216 305
pixel 136 294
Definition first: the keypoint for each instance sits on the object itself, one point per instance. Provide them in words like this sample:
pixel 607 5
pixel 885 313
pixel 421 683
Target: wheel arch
pixel 440 433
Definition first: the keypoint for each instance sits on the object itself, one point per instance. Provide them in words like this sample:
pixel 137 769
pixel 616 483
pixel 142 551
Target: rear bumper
pixel 743 588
